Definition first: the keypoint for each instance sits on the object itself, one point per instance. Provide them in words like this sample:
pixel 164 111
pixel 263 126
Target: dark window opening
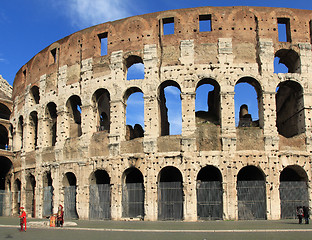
pixel 24 74
pixel 74 110
pixel 209 173
pixel 250 173
pixel 290 109
pixel 17 196
pixel 4 139
pixel 20 130
pixel 5 167
pixel 4 112
pixel 168 26
pixel 47 194
pixel 207 101
pixel 34 128
pixel 101 99
pixel 284 30
pixel 53 53
pixel 134 113
pixel 52 122
pixel 70 192
pixel 170 108
pixel 35 94
pixel 205 23
pixel 290 59
pixel 30 195
pixel 100 177
pixel 103 41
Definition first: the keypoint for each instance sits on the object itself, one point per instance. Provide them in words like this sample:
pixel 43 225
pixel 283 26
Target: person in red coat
pixel 22 219
pixel 60 217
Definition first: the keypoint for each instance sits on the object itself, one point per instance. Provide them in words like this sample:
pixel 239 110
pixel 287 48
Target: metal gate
pixel 47 201
pixel 70 202
pixel 170 197
pixel 5 203
pixel 292 194
pixel 99 201
pixel 209 200
pixel 251 196
pixel 133 200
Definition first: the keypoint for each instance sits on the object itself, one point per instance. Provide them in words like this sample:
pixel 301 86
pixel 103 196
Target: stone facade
pixel 69 114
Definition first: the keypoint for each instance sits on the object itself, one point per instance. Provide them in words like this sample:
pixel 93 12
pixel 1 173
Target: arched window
pixel 4 112
pixel 17 196
pixel 251 193
pixel 99 195
pixel 170 108
pixel 30 195
pixel 289 109
pixel 170 194
pixel 133 194
pixel 134 113
pixel 33 127
pixel 247 102
pixel 35 94
pixel 20 131
pixel 52 123
pixel 70 191
pixel 74 111
pixel 290 59
pixel 4 140
pixel 47 194
pixel 101 100
pixel 135 67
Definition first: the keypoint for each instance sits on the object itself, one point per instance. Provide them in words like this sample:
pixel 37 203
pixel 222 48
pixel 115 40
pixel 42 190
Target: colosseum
pixel 65 138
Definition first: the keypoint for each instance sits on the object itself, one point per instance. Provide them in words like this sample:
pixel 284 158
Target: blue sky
pixel 29 26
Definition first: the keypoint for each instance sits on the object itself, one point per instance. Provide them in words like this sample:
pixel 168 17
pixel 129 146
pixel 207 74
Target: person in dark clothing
pixel 306 214
pixel 299 212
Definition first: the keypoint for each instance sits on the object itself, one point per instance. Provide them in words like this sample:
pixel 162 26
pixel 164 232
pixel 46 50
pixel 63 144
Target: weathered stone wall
pixel 240 47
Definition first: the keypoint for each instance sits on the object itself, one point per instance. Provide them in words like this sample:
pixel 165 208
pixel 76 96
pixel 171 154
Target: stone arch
pixel 5 112
pixel 251 193
pixel 16 196
pixel 134 113
pixel 133 193
pixel 30 195
pixel 35 94
pixel 20 132
pixel 164 109
pixel 134 67
pixel 290 59
pixel 101 106
pixel 47 194
pixel 290 109
pixel 51 115
pixel 293 190
pixel 209 193
pixel 245 119
pixel 4 137
pixel 33 129
pixel 70 192
pixel 170 194
pixel 73 106
pixel 99 195
pixel 212 100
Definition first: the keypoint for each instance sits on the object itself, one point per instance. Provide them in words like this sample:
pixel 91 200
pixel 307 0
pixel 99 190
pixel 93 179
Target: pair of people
pixel 303 212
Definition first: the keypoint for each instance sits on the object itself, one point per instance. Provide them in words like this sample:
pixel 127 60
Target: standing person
pixel 60 216
pixel 306 214
pixel 299 214
pixel 22 218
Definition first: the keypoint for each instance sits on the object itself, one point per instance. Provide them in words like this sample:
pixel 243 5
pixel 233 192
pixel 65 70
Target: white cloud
pixel 85 13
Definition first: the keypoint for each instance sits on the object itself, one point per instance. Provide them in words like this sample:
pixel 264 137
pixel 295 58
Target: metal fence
pixel 292 194
pixel 170 197
pixel 251 197
pixel 100 201
pixel 47 201
pixel 70 211
pixel 5 203
pixel 133 200
pixel 209 200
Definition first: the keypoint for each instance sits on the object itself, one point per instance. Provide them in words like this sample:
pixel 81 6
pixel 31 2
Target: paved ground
pixel 282 229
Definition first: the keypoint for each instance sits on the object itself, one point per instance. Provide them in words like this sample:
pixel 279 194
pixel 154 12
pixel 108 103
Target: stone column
pixel 150 203
pixel 118 126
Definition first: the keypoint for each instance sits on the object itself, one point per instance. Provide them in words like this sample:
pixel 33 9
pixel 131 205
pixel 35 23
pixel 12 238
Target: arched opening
pixel 170 108
pixel 207 102
pixel 99 195
pixel 5 191
pixel 133 194
pixel 33 129
pixel 209 194
pixel 294 190
pixel 290 109
pixel 4 139
pixel 35 94
pixel 20 131
pixel 17 196
pixel 248 100
pixel 101 100
pixel 170 194
pixel 30 195
pixel 251 194
pixel 51 123
pixel 134 113
pixel 4 112
pixel 290 59
pixel 70 192
pixel 74 111
pixel 47 194
pixel 135 67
